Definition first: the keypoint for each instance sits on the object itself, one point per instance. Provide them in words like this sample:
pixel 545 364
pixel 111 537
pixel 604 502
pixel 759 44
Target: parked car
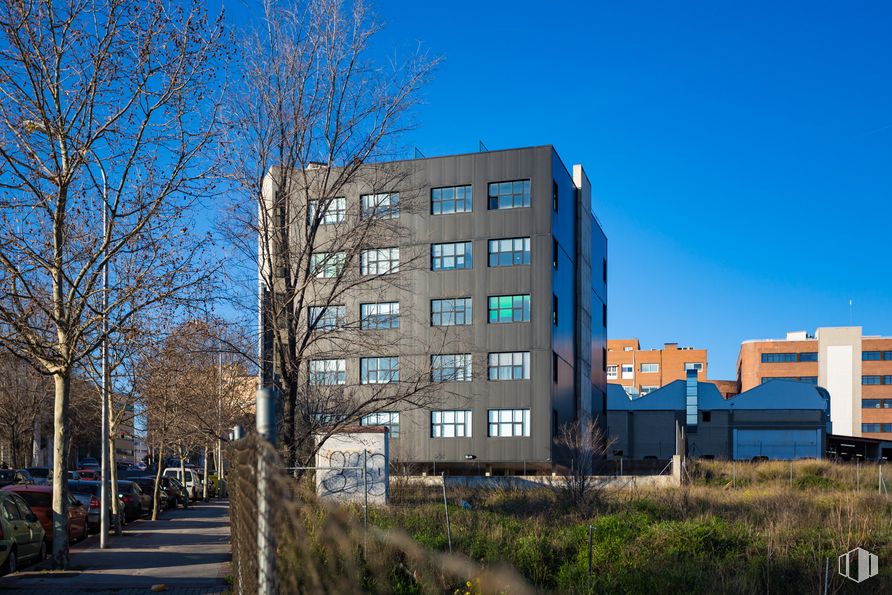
pixel 147 485
pixel 176 492
pixel 74 475
pixel 90 474
pixel 89 463
pixel 136 503
pixel 40 499
pixel 89 493
pixel 22 538
pixel 12 476
pixel 40 475
pixel 192 481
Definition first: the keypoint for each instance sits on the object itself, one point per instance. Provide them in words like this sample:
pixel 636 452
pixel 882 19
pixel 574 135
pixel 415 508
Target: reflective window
pixel 693 366
pixel 506 423
pixel 381 315
pixel 870 380
pixel 870 356
pixel 380 206
pixel 334 212
pixel 327 318
pixel 328 371
pixel 514 365
pixel 448 257
pixel 509 195
pixel 778 358
pixel 380 261
pixel 509 252
pixel 650 368
pixel 509 308
pixel 450 424
pixel 327 265
pixel 390 419
pixel 453 199
pixel 453 367
pixel 379 370
pixel 451 312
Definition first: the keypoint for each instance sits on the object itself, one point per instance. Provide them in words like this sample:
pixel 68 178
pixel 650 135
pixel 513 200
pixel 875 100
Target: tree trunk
pixel 62 381
pixel 183 478
pixel 204 487
pixel 117 513
pixel 157 491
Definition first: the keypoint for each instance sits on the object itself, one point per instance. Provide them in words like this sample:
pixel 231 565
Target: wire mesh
pixel 323 548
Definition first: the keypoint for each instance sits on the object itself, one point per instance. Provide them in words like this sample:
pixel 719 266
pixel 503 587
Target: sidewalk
pixel 187 551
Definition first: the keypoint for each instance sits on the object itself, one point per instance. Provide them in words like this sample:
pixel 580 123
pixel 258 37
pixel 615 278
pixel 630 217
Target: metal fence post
pixel 446 508
pixel 365 487
pixel 591 536
pixel 266 428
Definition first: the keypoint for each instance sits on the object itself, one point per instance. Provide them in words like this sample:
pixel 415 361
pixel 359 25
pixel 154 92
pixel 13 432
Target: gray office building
pixel 500 289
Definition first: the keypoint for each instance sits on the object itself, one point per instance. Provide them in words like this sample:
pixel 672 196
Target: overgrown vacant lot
pixel 744 528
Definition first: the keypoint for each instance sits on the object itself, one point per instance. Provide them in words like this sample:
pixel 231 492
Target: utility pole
pixel 103 492
pixel 266 428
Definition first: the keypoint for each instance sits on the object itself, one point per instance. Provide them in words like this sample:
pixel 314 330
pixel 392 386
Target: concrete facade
pixel 565 281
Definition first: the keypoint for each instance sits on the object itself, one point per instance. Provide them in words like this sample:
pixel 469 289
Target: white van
pixel 193 481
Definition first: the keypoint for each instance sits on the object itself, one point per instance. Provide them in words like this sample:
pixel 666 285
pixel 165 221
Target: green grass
pixel 762 535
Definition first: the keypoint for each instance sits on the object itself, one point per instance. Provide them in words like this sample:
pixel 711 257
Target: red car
pixel 40 499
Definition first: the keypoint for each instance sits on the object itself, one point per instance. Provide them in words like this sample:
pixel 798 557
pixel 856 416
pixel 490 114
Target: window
pixel 648 389
pixel 870 380
pixel 328 371
pixel 389 419
pixel 453 199
pixel 554 309
pixel 554 367
pixel 811 356
pixel 448 257
pixel 509 252
pixel 380 206
pixel 778 358
pixel 870 356
pixel 604 314
pixel 327 265
pixel 509 195
pixel 334 213
pixel 887 355
pixel 706 415
pixel 693 366
pixel 506 423
pixel 514 365
pixel 871 403
pixel 611 372
pixel 554 196
pixel 450 424
pixel 887 379
pixel 628 372
pixel 509 308
pixel 605 271
pixel 870 427
pixel 327 318
pixel 808 379
pixel 451 312
pixel 454 367
pixel 381 315
pixel 380 261
pixel 650 368
pixel 379 370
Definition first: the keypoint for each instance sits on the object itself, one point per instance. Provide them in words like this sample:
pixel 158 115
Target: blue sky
pixel 739 152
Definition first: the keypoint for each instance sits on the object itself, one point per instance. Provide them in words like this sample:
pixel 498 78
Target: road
pixel 187 551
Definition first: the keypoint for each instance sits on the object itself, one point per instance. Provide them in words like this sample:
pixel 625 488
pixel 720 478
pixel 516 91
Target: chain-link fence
pixel 290 542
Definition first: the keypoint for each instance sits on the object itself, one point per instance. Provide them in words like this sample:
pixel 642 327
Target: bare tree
pixel 314 117
pixel 109 110
pixel 584 444
pixel 24 399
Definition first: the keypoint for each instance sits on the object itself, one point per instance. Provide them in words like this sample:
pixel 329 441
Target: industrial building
pixel 780 419
pixel 508 307
pixel 855 368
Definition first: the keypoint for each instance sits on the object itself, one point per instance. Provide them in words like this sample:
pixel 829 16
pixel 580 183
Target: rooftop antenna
pixel 418 154
pixel 851 317
pixel 482 147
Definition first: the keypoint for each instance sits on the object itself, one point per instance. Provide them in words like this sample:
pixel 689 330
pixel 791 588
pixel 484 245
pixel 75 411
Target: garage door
pixel 777 444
